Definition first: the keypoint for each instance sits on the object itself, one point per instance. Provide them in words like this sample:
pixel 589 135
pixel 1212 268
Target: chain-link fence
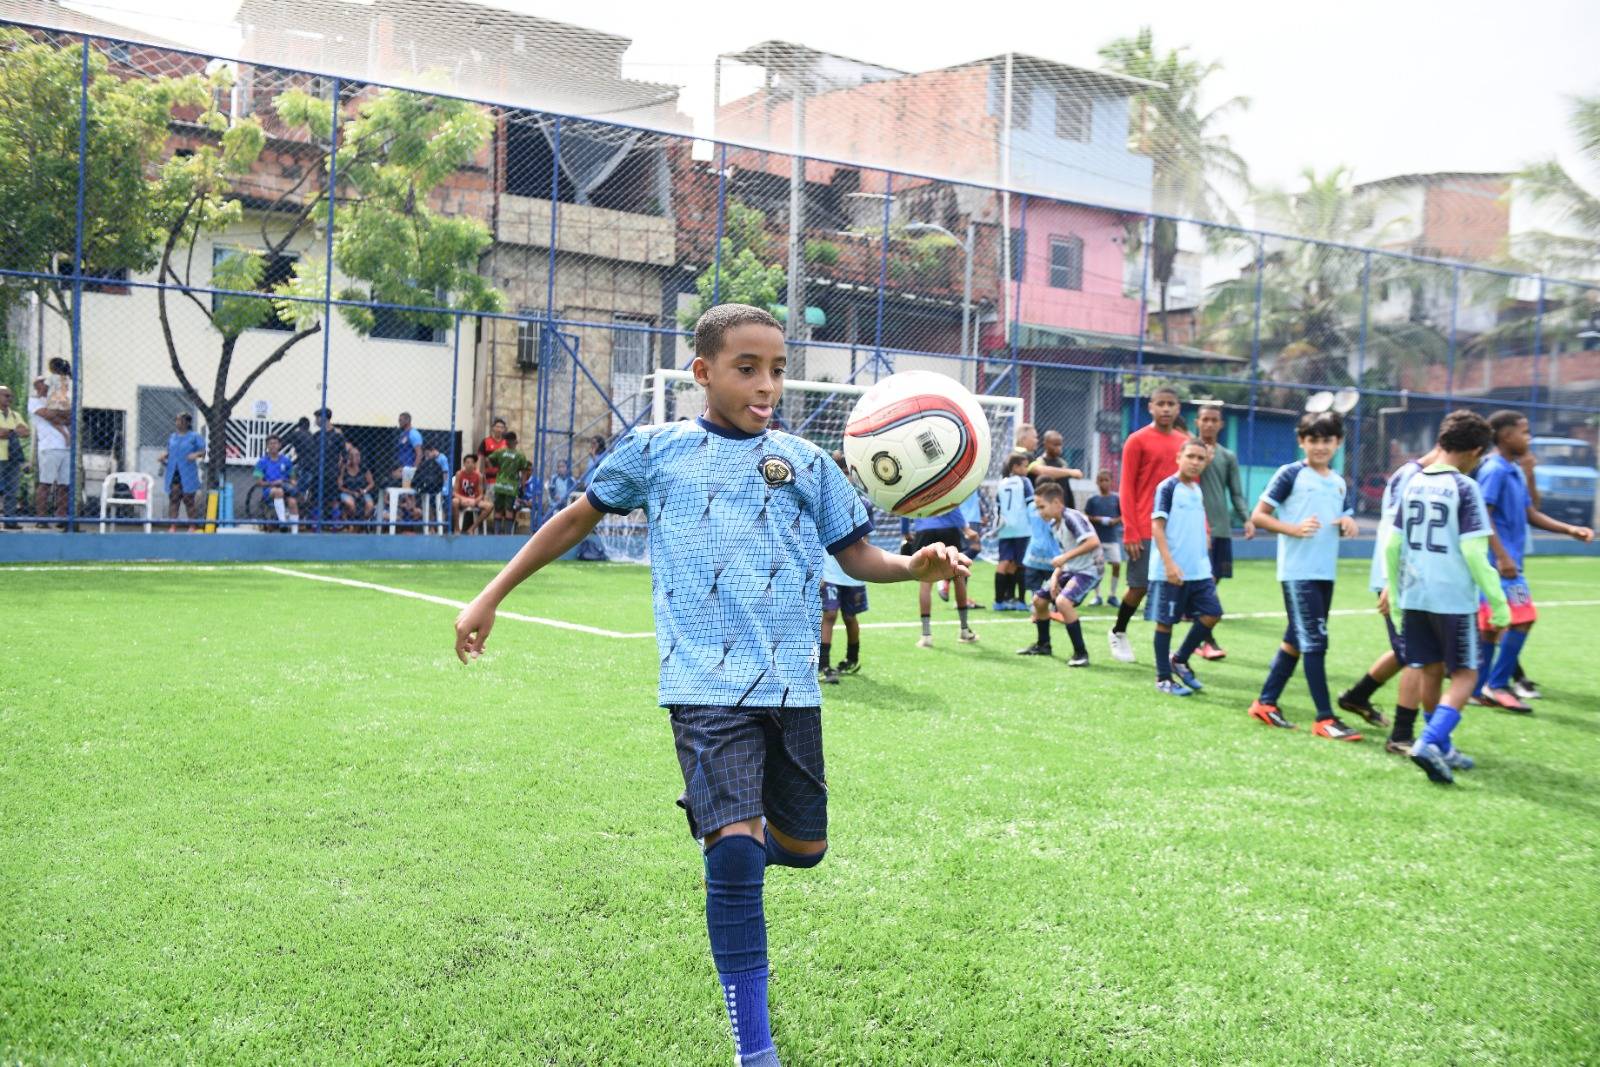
pixel 246 298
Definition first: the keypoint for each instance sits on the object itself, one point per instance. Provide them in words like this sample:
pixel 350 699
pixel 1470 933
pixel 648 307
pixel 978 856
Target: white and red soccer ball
pixel 918 442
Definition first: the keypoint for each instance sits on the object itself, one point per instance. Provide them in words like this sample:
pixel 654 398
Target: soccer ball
pixel 918 442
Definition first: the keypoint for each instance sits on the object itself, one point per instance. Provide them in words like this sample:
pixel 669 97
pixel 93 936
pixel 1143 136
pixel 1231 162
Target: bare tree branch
pixel 277 354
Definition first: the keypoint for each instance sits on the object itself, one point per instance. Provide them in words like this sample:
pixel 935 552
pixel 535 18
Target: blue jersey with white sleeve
pixel 1189 538
pixel 1376 580
pixel 1014 502
pixel 1439 512
pixel 738 524
pixel 1296 493
pixel 1505 495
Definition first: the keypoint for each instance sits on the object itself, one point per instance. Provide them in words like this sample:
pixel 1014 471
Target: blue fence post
pixel 547 341
pixel 1538 342
pixel 1144 317
pixel 1353 460
pixel 883 279
pixel 1255 367
pixel 722 222
pixel 327 301
pixel 75 430
pixel 1014 326
pixel 447 504
pixel 1450 357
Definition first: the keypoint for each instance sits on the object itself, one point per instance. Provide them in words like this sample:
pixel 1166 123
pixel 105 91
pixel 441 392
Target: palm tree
pixel 1573 247
pixel 1189 154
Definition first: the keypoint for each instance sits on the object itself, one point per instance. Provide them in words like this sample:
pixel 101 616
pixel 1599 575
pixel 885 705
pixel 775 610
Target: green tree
pixel 40 97
pixel 394 151
pixel 745 278
pixel 1573 248
pixel 1188 153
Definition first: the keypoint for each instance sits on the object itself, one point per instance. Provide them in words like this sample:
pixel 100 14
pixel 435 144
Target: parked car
pixel 1566 478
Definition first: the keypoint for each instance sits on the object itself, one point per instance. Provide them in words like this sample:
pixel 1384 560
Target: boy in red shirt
pixel 1149 456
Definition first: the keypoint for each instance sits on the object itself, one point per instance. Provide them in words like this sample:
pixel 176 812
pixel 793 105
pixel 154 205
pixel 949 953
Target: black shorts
pixel 1397 644
pixel 1221 557
pixel 1307 602
pixel 850 599
pixel 1012 549
pixel 1430 637
pixel 946 535
pixel 742 763
pixel 1037 581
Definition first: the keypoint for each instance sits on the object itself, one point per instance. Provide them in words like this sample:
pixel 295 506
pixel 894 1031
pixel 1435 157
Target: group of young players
pixel 739 513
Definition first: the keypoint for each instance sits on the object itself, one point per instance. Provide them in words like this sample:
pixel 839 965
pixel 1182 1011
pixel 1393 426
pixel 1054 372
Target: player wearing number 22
pixel 1436 567
pixel 739 517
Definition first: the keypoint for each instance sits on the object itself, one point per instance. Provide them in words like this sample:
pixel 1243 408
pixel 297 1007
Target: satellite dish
pixel 1317 403
pixel 1345 400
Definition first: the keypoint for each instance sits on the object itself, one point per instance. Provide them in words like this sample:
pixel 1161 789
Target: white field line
pixel 979 616
pixel 411 594
pixel 129 568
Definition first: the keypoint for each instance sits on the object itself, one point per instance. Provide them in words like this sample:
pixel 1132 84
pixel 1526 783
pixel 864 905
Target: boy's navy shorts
pixel 1221 557
pixel 1431 638
pixel 742 763
pixel 1037 579
pixel 1397 644
pixel 1012 549
pixel 850 599
pixel 1307 602
pixel 1168 604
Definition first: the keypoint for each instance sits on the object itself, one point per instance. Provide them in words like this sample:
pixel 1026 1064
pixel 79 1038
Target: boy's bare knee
pixel 746 827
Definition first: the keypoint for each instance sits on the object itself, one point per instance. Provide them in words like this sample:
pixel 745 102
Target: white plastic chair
pixel 138 482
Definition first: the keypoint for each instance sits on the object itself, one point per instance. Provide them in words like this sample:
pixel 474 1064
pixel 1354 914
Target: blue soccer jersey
pixel 1189 538
pixel 1047 540
pixel 738 524
pixel 1295 494
pixel 1440 510
pixel 1505 495
pixel 1014 501
pixel 1391 500
pixel 280 469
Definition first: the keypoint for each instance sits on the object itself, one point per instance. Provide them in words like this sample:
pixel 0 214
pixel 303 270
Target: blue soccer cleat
pixel 1173 688
pixel 1431 759
pixel 1458 760
pixel 1186 676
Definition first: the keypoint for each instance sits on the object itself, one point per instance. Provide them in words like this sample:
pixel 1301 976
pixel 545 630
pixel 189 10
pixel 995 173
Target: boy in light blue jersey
pixel 842 595
pixel 1304 505
pixel 1435 568
pixel 1013 509
pixel 1181 555
pixel 1063 566
pixel 739 517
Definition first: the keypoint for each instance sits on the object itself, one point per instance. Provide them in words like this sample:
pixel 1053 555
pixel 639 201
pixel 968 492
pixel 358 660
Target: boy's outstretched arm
pixel 869 563
pixel 1487 580
pixel 554 539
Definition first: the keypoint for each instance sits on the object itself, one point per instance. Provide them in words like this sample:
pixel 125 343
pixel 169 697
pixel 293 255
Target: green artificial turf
pixel 253 818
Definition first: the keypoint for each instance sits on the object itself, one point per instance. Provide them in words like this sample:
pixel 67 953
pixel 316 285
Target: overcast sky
pixel 1384 86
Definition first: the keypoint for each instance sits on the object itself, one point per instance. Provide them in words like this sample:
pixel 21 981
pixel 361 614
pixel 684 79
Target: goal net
pixel 816 411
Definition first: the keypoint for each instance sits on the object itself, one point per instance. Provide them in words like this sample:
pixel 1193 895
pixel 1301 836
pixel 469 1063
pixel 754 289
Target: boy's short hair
pixel 1016 458
pixel 470 455
pixel 183 415
pixel 1504 419
pixel 274 437
pixel 58 365
pixel 1167 390
pixel 511 437
pixel 1050 491
pixel 1103 472
pixel 1194 442
pixel 1465 431
pixel 715 324
pixel 1318 424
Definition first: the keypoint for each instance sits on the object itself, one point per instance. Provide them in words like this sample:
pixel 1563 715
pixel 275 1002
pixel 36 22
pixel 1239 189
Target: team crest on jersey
pixel 775 470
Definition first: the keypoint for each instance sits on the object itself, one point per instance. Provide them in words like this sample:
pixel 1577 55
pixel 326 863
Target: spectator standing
pixel 511 467
pixel 297 444
pixel 407 450
pixel 14 434
pixel 490 445
pixel 57 408
pixel 1149 457
pixel 1050 465
pixel 55 459
pixel 180 465
pixel 1224 499
pixel 597 450
pixel 318 475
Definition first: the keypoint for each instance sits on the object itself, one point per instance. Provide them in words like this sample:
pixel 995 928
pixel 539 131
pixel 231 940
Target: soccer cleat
pixel 1334 730
pixel 925 641
pixel 1525 690
pixel 1458 760
pixel 1113 602
pixel 1502 699
pixel 1021 605
pixel 1186 676
pixel 1269 714
pixel 848 666
pixel 1362 708
pixel 1097 601
pixel 973 605
pixel 1482 699
pixel 968 637
pixel 1211 651
pixel 1121 647
pixel 830 676
pixel 1079 659
pixel 1035 649
pixel 1173 688
pixel 1397 748
pixel 944 589
pixel 1426 755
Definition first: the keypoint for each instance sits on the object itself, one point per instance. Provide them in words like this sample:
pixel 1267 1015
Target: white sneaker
pixel 968 637
pixel 925 641
pixel 1121 648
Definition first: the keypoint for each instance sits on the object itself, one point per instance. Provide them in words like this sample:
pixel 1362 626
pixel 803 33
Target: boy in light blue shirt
pixel 1013 512
pixel 1181 555
pixel 1305 506
pixel 1436 565
pixel 739 518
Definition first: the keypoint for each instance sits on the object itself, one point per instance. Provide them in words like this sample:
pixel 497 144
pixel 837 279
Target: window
pixel 1072 117
pixel 1066 262
pixel 528 330
pixel 392 325
pixel 630 348
pixel 119 52
pixel 1019 254
pixel 1021 106
pixel 279 269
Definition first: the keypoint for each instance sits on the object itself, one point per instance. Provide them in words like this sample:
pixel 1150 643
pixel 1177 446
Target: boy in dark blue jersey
pixel 1104 509
pixel 739 516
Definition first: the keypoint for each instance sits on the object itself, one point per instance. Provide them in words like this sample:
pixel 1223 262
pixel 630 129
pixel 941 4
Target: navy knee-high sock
pixel 1199 633
pixel 1075 632
pixel 735 872
pixel 1163 655
pixel 1317 682
pixel 1278 676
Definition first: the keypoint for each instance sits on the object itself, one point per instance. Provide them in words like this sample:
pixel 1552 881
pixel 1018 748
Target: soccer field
pixel 254 817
